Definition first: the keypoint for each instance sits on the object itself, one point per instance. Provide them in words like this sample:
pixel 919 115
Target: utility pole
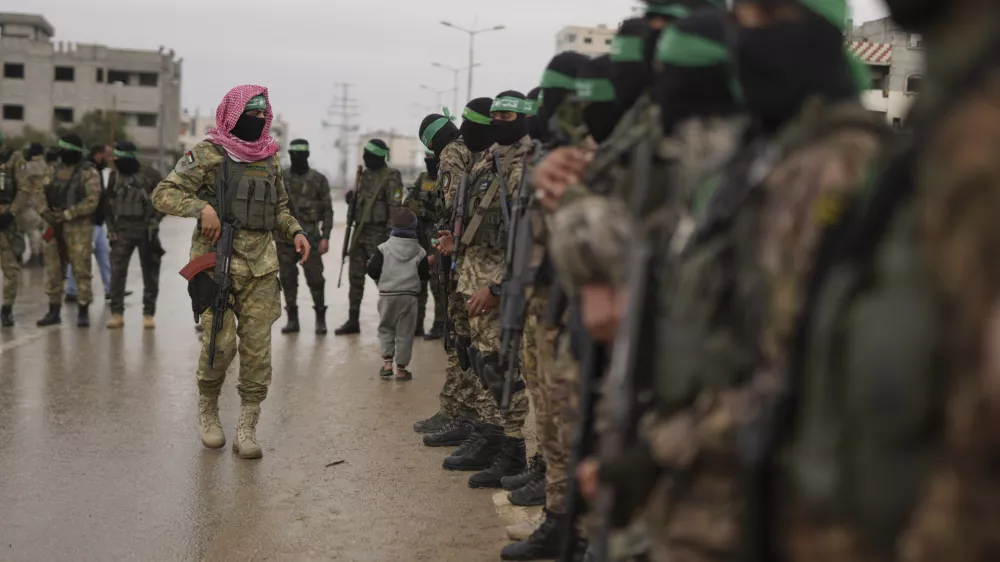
pixel 455 71
pixel 344 109
pixel 472 46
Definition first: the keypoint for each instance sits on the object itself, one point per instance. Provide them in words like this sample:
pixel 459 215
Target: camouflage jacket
pixel 88 179
pixel 254 253
pixel 32 180
pixel 381 191
pixel 12 175
pixel 456 160
pixel 310 198
pixel 482 265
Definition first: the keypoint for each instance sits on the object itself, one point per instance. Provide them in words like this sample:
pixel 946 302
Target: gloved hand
pixel 6 219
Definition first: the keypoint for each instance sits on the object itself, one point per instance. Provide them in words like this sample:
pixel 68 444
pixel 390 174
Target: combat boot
pixel 531 494
pixel 147 322
pixel 535 470
pixel 115 322
pixel 543 544
pixel 509 461
pixel 6 316
pixel 83 316
pixel 52 317
pixel 208 418
pixel 292 327
pixel 483 449
pixel 320 320
pixel 437 331
pixel 432 424
pixel 352 326
pixel 452 434
pixel 521 531
pixel 246 444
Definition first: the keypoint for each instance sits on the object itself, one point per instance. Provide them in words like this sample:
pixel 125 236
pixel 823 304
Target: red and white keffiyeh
pixel 226 116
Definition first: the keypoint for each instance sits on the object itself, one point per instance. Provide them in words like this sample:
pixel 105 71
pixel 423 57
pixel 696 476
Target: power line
pixel 343 109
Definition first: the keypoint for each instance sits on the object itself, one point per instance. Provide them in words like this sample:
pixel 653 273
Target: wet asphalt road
pixel 100 457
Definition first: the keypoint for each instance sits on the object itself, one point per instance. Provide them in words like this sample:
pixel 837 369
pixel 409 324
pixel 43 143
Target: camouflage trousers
pixel 440 304
pixel 128 240
pixel 11 249
pixel 288 270
pixel 559 382
pixel 78 234
pixel 462 389
pixel 369 237
pixel 485 331
pixel 246 328
pixel 30 223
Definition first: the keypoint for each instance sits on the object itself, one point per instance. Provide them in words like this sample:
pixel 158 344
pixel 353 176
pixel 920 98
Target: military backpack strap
pixel 486 201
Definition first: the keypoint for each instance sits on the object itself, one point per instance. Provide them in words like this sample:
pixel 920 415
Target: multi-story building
pixel 194 126
pixel 406 152
pixel 46 83
pixel 895 58
pixel 593 41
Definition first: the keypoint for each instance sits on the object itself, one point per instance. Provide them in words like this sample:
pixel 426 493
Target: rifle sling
pixel 487 200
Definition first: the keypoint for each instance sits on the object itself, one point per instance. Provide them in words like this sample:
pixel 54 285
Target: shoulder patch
pixel 186 162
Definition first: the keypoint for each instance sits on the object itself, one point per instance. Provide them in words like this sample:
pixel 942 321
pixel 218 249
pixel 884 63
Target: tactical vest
pixel 489 183
pixel 251 193
pixel 300 191
pixel 378 213
pixel 8 184
pixel 130 199
pixel 62 194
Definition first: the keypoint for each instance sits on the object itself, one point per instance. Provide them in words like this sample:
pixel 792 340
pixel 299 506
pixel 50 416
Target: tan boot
pixel 246 433
pixel 211 428
pixel 116 322
pixel 148 322
pixel 521 531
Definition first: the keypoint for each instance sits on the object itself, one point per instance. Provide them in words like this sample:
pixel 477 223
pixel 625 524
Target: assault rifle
pixel 448 271
pixel 352 209
pixel 223 260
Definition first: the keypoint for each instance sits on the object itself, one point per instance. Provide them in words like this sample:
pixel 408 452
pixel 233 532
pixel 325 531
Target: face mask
pixel 684 92
pixel 127 166
pixel 70 157
pixel 783 65
pixel 477 137
pixel 300 162
pixel 601 118
pixel 432 165
pixel 536 128
pixel 509 132
pixel 373 162
pixel 249 128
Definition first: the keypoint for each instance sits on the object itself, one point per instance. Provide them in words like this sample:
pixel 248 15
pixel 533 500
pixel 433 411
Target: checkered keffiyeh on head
pixel 226 116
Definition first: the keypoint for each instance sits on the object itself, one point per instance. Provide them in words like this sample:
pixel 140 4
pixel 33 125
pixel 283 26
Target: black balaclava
pixel 782 65
pixel 432 162
pixel 125 158
pixel 51 155
pixel 558 82
pixel 600 112
pixel 33 149
pixel 298 153
pixel 631 58
pixel 509 132
pixel 444 135
pixel 71 149
pixel 375 161
pixel 249 128
pixel 536 125
pixel 696 75
pixel 475 128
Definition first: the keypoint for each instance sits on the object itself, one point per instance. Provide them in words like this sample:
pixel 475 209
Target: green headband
pixel 377 150
pixel 429 153
pixel 533 105
pixel 671 10
pixel 516 105
pixel 685 49
pixel 299 147
pixel 626 48
pixel 556 79
pixel 124 154
pixel 436 126
pixel 474 116
pixel 256 102
pixel 69 146
pixel 595 90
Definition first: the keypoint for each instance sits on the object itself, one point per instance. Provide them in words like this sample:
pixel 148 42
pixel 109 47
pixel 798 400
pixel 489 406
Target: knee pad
pixel 462 347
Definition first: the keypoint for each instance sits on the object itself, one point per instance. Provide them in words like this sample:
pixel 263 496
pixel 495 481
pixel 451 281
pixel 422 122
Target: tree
pixel 94 127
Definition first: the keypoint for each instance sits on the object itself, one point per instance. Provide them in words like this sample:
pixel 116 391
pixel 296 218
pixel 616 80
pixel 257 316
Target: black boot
pixel 432 424
pixel 6 316
pixel 509 462
pixel 535 470
pixel 437 331
pixel 530 495
pixel 52 318
pixel 452 434
pixel 480 452
pixel 352 326
pixel 83 316
pixel 292 327
pixel 320 320
pixel 543 544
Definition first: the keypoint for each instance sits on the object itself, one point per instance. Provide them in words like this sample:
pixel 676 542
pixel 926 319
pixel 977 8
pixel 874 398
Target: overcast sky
pixel 300 48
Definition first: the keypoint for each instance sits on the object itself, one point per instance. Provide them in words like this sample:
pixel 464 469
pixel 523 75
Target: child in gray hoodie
pixel 398 267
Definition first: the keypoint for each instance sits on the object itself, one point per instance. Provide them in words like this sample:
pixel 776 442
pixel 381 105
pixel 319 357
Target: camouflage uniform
pixel 421 199
pixel 380 192
pixel 133 224
pixel 254 268
pixel 71 197
pixel 29 222
pixel 13 197
pixel 310 199
pixel 482 264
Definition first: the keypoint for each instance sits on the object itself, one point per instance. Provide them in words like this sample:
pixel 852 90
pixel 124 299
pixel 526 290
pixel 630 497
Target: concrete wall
pixel 907 61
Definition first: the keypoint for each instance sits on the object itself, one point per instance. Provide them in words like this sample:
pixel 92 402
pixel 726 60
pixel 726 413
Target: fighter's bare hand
pixel 481 302
pixel 211 226
pixel 302 247
pixel 562 168
pixel 446 242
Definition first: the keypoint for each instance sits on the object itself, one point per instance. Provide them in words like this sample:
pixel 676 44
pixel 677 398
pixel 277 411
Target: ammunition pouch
pixel 493 374
pixel 462 346
pixel 476 357
pixel 200 289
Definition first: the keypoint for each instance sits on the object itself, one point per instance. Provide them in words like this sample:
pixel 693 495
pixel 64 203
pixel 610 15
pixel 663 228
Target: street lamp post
pixel 437 94
pixel 472 40
pixel 455 71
